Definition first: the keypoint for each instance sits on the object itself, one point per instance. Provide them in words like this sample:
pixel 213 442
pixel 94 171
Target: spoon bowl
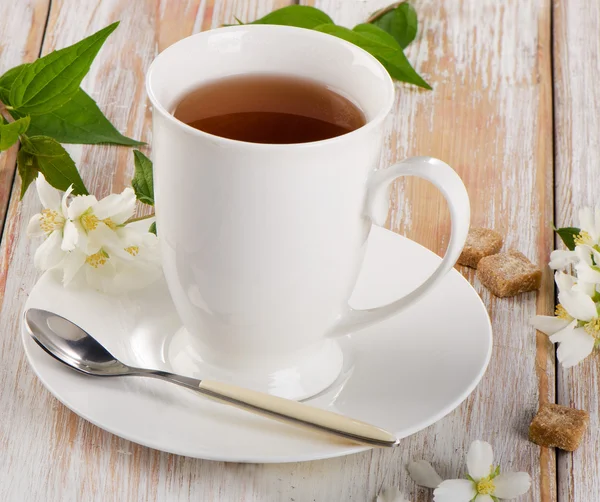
pixel 72 345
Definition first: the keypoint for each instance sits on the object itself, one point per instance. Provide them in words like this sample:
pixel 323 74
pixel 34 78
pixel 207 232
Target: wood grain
pixel 22 27
pixel 489 116
pixel 577 123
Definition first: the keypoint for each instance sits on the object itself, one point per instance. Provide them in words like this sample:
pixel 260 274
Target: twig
pixel 139 218
pixel 382 12
pixel 5 114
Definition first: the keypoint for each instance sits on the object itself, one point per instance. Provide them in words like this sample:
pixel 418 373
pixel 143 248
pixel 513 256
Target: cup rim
pixel 370 124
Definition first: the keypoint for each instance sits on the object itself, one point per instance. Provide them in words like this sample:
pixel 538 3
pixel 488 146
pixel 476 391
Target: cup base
pixel 298 377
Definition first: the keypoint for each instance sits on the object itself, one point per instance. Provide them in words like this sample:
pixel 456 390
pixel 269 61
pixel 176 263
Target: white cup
pixel 262 244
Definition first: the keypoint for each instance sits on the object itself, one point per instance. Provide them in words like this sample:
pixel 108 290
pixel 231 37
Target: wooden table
pixel 515 109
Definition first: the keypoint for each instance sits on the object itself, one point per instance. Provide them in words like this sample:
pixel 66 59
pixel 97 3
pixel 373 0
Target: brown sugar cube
pixel 480 242
pixel 558 426
pixel 509 273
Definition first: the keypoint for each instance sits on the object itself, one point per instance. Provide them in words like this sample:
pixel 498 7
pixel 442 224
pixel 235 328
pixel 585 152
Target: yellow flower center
pixel 485 486
pixel 89 221
pixel 50 220
pixel 592 328
pixel 110 223
pixel 97 259
pixel 562 313
pixel 133 250
pixel 583 238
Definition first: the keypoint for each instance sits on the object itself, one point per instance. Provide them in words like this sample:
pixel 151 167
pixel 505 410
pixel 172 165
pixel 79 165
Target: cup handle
pixel 449 183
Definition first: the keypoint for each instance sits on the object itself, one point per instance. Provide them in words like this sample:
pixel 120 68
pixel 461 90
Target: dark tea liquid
pixel 271 109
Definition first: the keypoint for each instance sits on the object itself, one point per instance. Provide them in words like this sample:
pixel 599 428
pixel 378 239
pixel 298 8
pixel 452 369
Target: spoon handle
pixel 298 413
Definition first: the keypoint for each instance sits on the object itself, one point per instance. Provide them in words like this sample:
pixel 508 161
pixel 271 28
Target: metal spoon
pixel 76 348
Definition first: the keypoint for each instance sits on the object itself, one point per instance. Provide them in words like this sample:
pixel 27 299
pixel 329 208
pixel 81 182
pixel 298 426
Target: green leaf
pixel 78 121
pixel 54 163
pixel 400 22
pixel 143 182
pixel 51 81
pixel 382 46
pixel 152 228
pixel 6 81
pixel 9 133
pixel 301 16
pixel 568 234
pixel 378 35
pixel 28 169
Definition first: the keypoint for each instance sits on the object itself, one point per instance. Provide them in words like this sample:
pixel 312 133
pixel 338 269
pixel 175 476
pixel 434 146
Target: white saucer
pixel 403 374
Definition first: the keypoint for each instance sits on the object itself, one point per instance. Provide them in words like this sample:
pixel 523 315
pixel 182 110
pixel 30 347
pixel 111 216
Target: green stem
pixel 139 218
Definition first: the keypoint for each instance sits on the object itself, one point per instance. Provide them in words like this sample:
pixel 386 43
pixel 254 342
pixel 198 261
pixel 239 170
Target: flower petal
pixel 102 277
pixel 483 498
pixel 105 238
pixel 575 348
pixel 562 258
pixel 511 484
pixel 564 333
pixel 72 264
pixel 135 274
pixel 391 495
pixel 565 282
pixel 79 205
pixel 578 305
pixel 549 324
pixel 423 473
pixel 118 207
pixel 480 458
pixel 49 196
pixel 587 288
pixel 586 273
pixel 49 254
pixel 70 236
pixel 584 253
pixel 455 490
pixel 65 198
pixel 34 228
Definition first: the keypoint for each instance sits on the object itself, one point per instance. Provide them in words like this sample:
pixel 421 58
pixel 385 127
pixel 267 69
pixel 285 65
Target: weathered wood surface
pixel 577 126
pixel 489 116
pixel 22 26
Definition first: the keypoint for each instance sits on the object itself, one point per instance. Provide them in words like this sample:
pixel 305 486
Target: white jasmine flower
pixel 91 242
pixel 484 483
pixel 135 266
pixel 391 495
pixel 575 326
pixel 586 242
pixel 92 224
pixel 50 223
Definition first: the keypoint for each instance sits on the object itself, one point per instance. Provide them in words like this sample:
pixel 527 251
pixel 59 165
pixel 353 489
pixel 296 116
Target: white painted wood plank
pixel 22 27
pixel 577 121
